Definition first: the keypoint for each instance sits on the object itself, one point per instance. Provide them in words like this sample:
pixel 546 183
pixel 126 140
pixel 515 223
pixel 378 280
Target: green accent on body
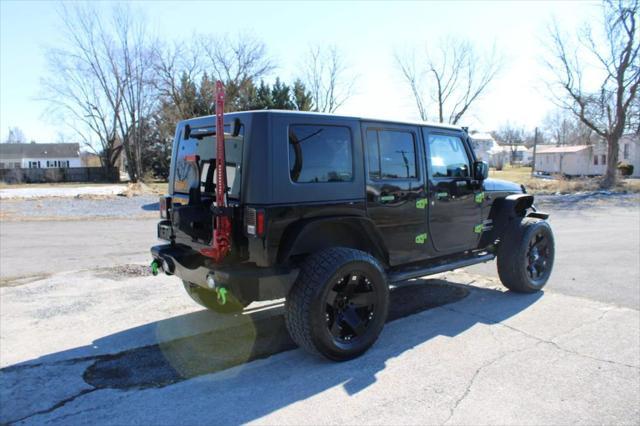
pixel 154 267
pixel 478 229
pixel 442 194
pixel 421 239
pixel 222 295
pixel 479 197
pixel 385 198
pixel 421 203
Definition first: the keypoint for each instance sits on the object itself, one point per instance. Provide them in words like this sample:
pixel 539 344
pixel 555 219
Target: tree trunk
pixel 612 162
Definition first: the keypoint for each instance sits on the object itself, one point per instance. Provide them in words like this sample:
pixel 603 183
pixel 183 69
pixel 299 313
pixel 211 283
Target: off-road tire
pixel 209 299
pixel 513 255
pixel 306 304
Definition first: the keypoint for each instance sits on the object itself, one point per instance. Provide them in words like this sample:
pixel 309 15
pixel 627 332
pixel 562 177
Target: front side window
pixel 320 154
pixel 625 153
pixel 447 157
pixel 604 159
pixel 391 155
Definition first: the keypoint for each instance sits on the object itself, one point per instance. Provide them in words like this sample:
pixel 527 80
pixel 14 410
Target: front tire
pixel 338 305
pixel 525 256
pixel 209 299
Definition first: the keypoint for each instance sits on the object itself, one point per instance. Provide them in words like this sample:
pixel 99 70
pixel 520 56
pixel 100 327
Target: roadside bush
pixel 625 169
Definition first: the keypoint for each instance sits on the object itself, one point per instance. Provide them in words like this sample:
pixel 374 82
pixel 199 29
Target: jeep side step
pixel 423 270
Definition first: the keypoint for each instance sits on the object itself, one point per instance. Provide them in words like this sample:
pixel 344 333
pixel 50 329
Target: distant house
pixel 483 145
pixel 39 155
pixel 586 160
pixel 516 154
pixel 567 160
pixel 89 159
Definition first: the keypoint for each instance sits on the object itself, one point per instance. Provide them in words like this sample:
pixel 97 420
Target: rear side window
pixel 320 154
pixel 391 155
pixel 447 156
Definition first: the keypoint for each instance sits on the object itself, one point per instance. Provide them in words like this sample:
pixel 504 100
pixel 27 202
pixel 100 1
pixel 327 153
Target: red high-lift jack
pixel 221 241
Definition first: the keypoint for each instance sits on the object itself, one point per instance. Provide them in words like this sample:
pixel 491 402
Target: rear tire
pixel 338 305
pixel 209 299
pixel 525 255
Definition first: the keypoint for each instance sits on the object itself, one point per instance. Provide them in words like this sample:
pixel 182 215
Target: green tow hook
pixel 154 267
pixel 222 295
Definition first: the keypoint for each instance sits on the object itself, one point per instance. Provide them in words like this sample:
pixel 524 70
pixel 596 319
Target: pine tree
pixel 302 99
pixel 280 93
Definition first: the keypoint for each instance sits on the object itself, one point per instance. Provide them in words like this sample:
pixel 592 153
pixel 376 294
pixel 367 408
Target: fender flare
pixel 307 236
pixel 504 212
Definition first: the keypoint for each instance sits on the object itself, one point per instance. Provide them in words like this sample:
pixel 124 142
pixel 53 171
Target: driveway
pixel 457 350
pixel 88 337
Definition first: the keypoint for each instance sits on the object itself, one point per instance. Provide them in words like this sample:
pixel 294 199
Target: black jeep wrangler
pixel 327 211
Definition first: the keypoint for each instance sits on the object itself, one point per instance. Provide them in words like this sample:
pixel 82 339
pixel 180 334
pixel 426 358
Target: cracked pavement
pixel 479 356
pixel 110 345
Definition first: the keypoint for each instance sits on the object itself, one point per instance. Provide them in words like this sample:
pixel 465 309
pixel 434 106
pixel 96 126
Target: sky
pixel 366 33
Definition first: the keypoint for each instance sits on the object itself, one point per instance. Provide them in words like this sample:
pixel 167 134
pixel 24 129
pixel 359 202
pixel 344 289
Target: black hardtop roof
pixel 195 120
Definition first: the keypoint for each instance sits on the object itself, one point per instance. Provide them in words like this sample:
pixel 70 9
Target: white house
pixel 517 154
pixel 586 160
pixel 39 155
pixel 483 145
pixel 629 152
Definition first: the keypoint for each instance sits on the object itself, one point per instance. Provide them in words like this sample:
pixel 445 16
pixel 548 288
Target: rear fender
pixel 312 235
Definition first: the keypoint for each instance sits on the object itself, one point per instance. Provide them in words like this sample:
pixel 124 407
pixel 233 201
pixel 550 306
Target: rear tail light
pixel 255 222
pixel 165 207
pixel 260 223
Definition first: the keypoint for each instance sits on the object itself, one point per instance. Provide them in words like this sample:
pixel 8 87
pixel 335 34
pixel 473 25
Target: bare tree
pixel 99 81
pixel 605 108
pixel 134 72
pixel 174 65
pixel 564 128
pixel 454 76
pixel 80 88
pixel 16 135
pixel 326 77
pixel 238 62
pixel 510 135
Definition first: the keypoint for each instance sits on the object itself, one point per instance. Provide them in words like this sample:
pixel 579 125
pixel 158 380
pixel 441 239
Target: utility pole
pixel 535 142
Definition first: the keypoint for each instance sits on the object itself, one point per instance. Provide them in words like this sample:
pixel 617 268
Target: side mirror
pixel 480 170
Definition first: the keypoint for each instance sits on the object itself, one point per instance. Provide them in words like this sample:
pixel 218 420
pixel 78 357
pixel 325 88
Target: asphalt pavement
pixel 597 251
pixel 597 245
pixel 87 336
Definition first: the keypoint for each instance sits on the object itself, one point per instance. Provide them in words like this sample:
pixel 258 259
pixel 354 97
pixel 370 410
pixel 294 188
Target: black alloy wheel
pixel 351 305
pixel 538 256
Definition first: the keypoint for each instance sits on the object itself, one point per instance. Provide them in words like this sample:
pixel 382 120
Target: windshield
pixel 186 175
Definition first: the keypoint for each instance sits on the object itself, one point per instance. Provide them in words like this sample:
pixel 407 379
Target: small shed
pixel 575 160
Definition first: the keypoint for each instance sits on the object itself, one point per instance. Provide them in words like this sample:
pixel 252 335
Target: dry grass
pixel 158 187
pixel 522 175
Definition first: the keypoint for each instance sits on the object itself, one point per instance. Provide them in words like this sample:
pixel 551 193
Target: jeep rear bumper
pixel 245 280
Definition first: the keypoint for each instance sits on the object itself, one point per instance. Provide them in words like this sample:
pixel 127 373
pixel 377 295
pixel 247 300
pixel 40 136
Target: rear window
pixel 391 155
pixel 320 154
pixel 186 175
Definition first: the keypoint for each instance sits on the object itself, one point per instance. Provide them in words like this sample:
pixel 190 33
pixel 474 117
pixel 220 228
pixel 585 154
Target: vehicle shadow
pixel 252 390
pixel 151 207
